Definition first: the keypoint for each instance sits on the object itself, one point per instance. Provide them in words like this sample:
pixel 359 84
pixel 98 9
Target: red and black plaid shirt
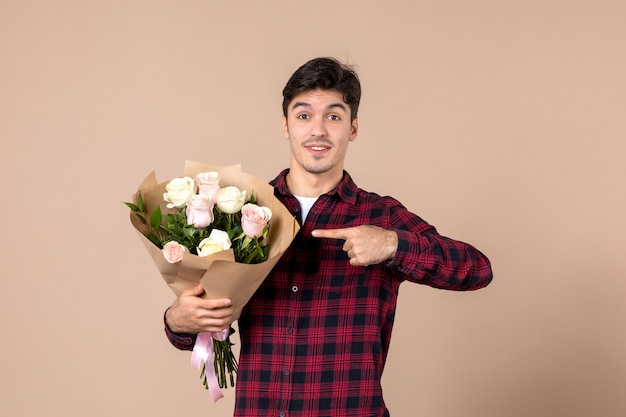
pixel 315 336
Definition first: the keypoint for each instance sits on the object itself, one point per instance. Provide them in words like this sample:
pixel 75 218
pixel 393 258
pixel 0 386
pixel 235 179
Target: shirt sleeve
pixel 182 341
pixel 424 256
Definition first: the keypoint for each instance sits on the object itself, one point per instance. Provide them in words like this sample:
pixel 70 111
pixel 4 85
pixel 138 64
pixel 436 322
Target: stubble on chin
pixel 317 168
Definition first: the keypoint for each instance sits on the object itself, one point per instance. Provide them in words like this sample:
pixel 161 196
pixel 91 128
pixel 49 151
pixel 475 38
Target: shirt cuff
pixel 182 341
pixel 405 259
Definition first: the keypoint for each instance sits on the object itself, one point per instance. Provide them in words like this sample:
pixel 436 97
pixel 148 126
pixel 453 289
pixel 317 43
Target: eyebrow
pixel 329 107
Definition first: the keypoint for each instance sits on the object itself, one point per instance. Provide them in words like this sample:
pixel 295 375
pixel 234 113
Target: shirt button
pixel 282 414
pixel 294 288
pixel 286 373
pixel 290 330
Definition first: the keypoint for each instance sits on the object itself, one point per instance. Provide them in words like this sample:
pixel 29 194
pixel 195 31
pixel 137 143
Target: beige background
pixel 500 122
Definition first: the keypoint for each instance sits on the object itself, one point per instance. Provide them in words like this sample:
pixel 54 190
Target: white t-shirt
pixel 306 203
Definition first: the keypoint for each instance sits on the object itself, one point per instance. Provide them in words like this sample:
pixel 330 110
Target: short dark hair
pixel 325 74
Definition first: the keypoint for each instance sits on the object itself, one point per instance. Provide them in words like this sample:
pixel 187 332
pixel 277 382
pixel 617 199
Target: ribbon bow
pixel 202 352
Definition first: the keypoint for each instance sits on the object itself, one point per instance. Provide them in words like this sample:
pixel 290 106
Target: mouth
pixel 318 148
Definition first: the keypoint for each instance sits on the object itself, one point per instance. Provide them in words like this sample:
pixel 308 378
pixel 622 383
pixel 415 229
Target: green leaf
pixel 156 218
pixel 141 217
pixel 132 207
pixel 154 239
pixel 259 250
pixel 246 241
pixel 169 218
pixel 140 204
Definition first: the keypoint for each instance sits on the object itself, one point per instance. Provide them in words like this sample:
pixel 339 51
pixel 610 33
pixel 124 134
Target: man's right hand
pixel 192 314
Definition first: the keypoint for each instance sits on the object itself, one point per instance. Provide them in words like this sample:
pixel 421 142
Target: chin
pixel 317 169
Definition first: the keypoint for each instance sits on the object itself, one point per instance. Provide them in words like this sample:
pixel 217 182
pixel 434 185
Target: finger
pixel 344 233
pixel 217 303
pixel 355 262
pixel 207 316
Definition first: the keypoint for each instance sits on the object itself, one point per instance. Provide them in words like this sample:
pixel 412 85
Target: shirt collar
pixel 346 189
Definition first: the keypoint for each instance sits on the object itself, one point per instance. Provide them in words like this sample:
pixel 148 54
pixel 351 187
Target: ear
pixel 285 127
pixel 354 129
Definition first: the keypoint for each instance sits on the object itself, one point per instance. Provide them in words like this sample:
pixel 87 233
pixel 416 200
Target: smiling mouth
pixel 318 148
pixel 317 145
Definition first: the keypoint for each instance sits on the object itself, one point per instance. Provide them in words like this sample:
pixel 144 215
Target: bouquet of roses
pixel 206 227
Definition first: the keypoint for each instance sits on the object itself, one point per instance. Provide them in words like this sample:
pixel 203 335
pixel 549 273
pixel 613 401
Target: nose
pixel 318 128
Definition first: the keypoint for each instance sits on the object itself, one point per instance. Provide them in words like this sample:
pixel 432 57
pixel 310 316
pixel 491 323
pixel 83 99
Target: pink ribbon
pixel 202 352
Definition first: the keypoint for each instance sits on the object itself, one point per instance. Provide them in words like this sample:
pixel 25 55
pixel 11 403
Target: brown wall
pixel 500 122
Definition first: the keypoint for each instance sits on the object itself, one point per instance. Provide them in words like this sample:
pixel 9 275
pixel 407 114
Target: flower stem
pixel 224 362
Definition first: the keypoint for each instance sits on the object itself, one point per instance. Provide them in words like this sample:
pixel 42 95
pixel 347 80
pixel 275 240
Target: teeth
pixel 318 148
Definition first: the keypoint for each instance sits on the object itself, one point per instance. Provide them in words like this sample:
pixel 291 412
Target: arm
pixel 427 257
pixel 415 250
pixel 440 262
pixel 182 341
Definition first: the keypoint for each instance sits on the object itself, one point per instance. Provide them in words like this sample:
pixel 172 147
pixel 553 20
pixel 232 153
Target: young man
pixel 315 336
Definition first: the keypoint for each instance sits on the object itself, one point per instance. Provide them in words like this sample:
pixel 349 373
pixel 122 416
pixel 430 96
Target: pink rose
pixel 173 252
pixel 254 219
pixel 208 184
pixel 199 210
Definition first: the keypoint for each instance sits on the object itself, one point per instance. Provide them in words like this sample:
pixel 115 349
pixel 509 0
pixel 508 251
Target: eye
pixel 334 117
pixel 302 116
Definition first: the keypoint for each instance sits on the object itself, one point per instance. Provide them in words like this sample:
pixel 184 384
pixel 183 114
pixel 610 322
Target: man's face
pixel 319 130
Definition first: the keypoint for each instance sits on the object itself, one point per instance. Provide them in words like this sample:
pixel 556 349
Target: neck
pixel 306 184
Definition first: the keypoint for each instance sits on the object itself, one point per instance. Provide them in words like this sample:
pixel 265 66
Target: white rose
pixel 230 199
pixel 178 192
pixel 217 241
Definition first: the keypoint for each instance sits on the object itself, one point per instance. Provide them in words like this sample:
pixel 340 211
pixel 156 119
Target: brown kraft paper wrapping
pixel 219 274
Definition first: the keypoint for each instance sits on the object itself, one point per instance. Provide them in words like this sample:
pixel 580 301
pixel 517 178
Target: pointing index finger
pixel 332 233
